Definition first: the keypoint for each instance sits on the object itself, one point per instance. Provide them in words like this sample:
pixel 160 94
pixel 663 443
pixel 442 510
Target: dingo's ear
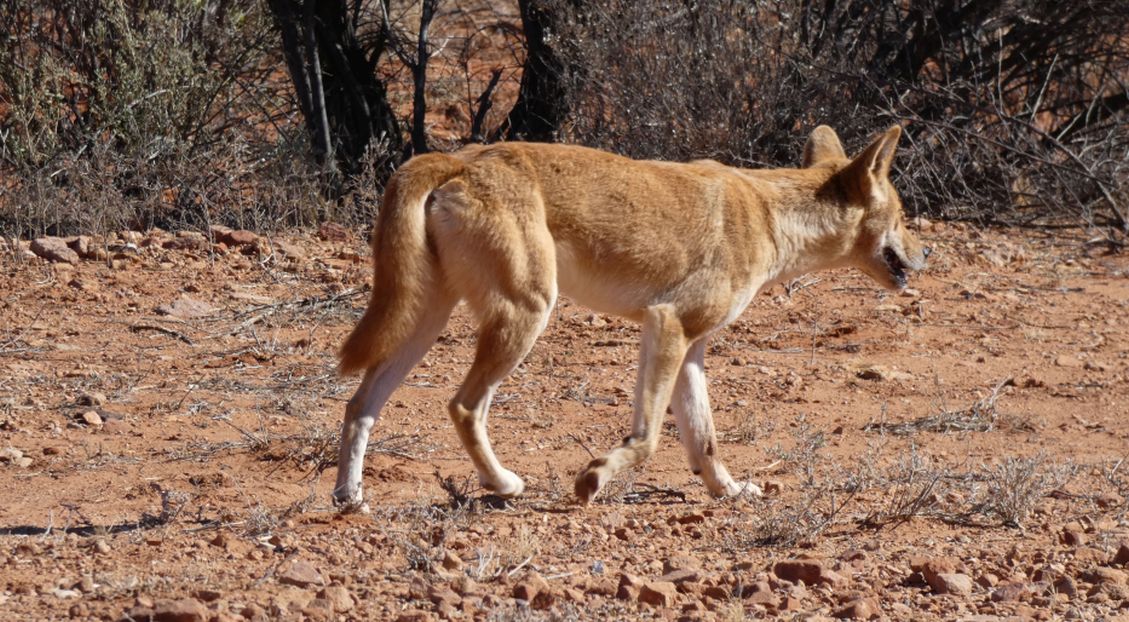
pixel 823 144
pixel 869 171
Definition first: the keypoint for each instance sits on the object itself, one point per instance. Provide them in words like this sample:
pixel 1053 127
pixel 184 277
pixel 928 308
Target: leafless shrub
pixel 1017 108
pixel 980 416
pixel 1012 488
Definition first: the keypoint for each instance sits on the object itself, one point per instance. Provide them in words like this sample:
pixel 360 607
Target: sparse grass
pixel 980 416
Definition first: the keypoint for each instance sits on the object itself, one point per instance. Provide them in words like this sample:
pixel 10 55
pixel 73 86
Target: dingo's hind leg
pixel 503 341
pixel 377 385
pixel 691 406
pixel 663 350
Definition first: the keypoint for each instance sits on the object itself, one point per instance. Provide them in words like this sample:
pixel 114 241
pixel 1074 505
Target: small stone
pixel 23 463
pixel 441 594
pixel 1072 537
pixel 415 615
pixel 183 610
pixel 629 586
pixel 1101 575
pixel 1011 592
pixel 290 251
pixel 101 547
pixel 680 562
pixel 951 583
pixel 452 561
pixel 1121 558
pixel 91 418
pixel 338 597
pixel 681 576
pixel 301 574
pixel 186 308
pixel 760 593
pixel 859 609
pixel 239 237
pixel 10 454
pixel 794 570
pixel 528 588
pixel 1066 360
pixel 54 250
pixel 62 594
pixel 881 372
pixel 658 593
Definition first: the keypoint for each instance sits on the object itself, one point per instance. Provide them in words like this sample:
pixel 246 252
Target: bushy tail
pixel 403 269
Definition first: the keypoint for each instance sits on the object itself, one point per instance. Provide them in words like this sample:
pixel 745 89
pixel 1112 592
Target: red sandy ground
pixel 964 436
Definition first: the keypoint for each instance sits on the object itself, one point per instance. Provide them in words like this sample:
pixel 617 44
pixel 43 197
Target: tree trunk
pixel 542 103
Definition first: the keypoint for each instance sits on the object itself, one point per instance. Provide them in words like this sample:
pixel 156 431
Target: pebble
pixel 859 609
pixel 186 308
pixel 629 586
pixel 810 571
pixel 301 574
pixel 1121 558
pixel 338 597
pixel 530 587
pixel 183 610
pixel 91 418
pixel 658 593
pixel 951 583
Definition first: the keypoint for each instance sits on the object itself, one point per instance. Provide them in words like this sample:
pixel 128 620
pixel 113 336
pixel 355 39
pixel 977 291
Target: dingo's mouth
pixel 895 265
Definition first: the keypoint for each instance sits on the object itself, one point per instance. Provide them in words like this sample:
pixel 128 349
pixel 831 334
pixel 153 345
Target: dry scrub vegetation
pixel 955 451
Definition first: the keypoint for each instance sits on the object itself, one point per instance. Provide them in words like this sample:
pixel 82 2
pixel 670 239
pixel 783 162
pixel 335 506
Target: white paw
pixel 739 489
pixel 348 502
pixel 505 484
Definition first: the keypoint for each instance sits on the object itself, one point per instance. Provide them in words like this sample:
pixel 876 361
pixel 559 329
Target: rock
pixel 186 308
pixel 452 561
pixel 881 372
pixel 81 245
pixel 239 237
pixel 1072 535
pixel 927 569
pixel 207 595
pixel 794 570
pixel 680 562
pixel 54 250
pixel 101 547
pixel 629 586
pixel 951 583
pixel 91 418
pixel 183 610
pixel 1105 575
pixel 1011 592
pixel 658 593
pixel 23 463
pixel 760 592
pixel 93 398
pixel 529 587
pixel 441 594
pixel 333 232
pixel 859 609
pixel 1121 558
pixel 300 574
pixel 290 251
pixel 415 615
pixel 1065 360
pixel 681 576
pixel 10 455
pixel 62 594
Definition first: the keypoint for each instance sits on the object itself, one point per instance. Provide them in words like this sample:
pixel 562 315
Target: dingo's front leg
pixel 663 349
pixel 691 406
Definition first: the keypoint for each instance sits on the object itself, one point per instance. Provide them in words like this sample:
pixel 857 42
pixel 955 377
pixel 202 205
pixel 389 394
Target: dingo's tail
pixel 403 268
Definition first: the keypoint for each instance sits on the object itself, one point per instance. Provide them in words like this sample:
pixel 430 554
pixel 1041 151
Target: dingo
pixel 681 248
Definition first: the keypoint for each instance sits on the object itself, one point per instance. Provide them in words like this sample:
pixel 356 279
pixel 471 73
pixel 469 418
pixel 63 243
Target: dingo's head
pixel 884 248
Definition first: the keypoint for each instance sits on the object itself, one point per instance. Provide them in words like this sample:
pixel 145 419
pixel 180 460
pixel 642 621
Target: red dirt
pixel 855 406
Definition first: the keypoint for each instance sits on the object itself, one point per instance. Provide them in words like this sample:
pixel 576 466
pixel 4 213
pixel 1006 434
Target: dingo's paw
pixel 591 480
pixel 350 503
pixel 739 489
pixel 507 484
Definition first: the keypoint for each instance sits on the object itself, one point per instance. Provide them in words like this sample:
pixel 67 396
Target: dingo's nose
pixel 925 251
